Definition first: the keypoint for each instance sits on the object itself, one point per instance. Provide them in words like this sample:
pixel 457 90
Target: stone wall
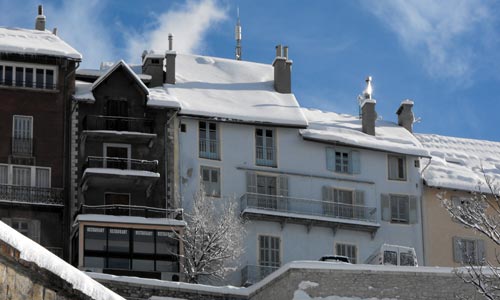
pixel 21 280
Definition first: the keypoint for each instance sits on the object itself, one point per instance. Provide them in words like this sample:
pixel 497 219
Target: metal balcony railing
pixel 251 274
pixel 209 148
pixel 265 156
pixel 22 146
pixel 92 122
pixel 132 210
pixel 122 163
pixel 30 194
pixel 308 207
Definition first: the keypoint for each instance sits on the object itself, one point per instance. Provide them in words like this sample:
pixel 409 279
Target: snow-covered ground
pixel 301 294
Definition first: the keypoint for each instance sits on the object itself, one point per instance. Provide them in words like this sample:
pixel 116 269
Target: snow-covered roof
pixel 126 67
pixel 458 163
pixel 128 220
pixel 158 97
pixel 232 90
pixel 35 42
pixel 345 129
pixel 33 252
pixel 83 91
pixel 97 73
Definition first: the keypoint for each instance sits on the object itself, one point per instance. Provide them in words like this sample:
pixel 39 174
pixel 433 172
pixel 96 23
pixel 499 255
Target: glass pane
pixel 118 263
pixel 93 262
pixel 406 259
pixel 8 75
pixel 143 241
pixel 19 76
pixel 143 265
pixel 39 78
pixel 29 77
pixel 49 79
pixel 390 258
pixel 166 243
pixel 21 176
pixel 95 238
pixel 215 176
pixel 167 266
pixel 118 240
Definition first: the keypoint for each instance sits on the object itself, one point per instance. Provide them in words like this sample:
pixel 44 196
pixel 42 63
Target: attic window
pixel 155 61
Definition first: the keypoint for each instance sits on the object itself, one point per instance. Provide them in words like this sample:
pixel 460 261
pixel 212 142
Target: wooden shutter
pixel 386 207
pixel 413 210
pixel 457 249
pixel 481 252
pixel 355 162
pixel 251 182
pixel 330 159
pixel 359 210
pixel 3 175
pixel 283 185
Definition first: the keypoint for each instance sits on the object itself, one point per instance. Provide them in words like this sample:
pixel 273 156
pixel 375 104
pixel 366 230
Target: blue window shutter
pixel 355 162
pixel 413 210
pixel 386 207
pixel 330 159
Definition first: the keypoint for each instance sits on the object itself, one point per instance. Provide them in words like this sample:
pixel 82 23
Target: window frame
pixel 353 261
pixel 400 198
pixel 206 142
pixel 279 251
pixel 478 257
pixel 33 174
pixel 105 147
pixel 13 82
pixel 403 166
pixel 265 161
pixel 218 184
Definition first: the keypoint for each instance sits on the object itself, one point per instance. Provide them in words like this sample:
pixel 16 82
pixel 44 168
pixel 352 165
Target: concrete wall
pixel 440 230
pixel 237 155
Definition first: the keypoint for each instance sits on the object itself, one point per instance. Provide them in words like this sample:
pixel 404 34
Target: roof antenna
pixel 237 35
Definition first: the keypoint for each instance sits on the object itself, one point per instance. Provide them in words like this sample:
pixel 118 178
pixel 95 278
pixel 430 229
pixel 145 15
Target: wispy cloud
pixel 189 23
pixel 434 31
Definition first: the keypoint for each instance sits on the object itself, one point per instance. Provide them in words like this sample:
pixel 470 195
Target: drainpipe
pixel 166 156
pixel 424 254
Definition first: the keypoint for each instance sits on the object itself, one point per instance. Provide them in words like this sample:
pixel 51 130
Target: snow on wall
pixel 458 163
pixel 33 252
pixel 346 129
pixel 36 42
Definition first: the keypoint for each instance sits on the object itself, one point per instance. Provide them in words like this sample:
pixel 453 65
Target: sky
pixel 444 55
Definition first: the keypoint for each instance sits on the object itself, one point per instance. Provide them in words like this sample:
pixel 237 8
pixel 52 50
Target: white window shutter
pixel 330 159
pixel 457 249
pixel 359 199
pixel 481 252
pixel 34 230
pixel 413 210
pixel 251 182
pixel 283 185
pixel 355 162
pixel 386 207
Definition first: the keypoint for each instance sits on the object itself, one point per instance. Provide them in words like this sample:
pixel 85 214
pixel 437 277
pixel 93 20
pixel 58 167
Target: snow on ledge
pixel 33 252
pixel 128 220
pixel 120 172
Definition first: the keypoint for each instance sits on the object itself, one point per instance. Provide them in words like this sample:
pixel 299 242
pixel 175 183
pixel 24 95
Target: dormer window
pixel 26 75
pixel 155 61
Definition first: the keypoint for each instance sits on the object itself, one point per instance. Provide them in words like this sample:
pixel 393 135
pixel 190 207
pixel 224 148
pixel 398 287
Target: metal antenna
pixel 237 35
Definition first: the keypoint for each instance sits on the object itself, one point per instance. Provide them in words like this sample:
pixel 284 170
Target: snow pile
pixel 346 129
pixel 301 294
pixel 36 42
pixel 33 252
pixel 159 97
pixel 458 163
pixel 232 90
pixel 83 91
pixel 128 220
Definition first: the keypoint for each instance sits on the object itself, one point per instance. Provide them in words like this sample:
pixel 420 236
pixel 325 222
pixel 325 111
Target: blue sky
pixel 444 55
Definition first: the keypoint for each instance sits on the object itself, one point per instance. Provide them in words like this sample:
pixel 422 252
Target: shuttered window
pixel 42 178
pixel 210 180
pixel 208 140
pixel 267 192
pixel 399 208
pixel 469 251
pixel 344 203
pixel 347 250
pixel 265 147
pixel 342 160
pixel 269 251
pixel 396 167
pixel 4 173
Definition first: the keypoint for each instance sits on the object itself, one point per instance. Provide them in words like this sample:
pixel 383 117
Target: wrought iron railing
pixel 93 122
pixel 251 274
pixel 209 148
pixel 30 194
pixel 122 163
pixel 22 146
pixel 308 207
pixel 265 156
pixel 132 210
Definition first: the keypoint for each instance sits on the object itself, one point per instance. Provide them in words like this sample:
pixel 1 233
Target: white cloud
pixel 434 31
pixel 188 23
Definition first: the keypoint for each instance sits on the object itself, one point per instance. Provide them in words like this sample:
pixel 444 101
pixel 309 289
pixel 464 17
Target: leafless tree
pixel 480 212
pixel 213 238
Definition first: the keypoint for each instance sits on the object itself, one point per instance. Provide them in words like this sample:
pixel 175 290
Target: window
pixel 396 167
pixel 22 135
pixel 406 259
pixel 42 178
pixel 210 179
pixel 344 203
pixel 267 192
pixel 265 148
pixel 28 227
pixel 208 143
pixel 117 156
pixel 347 250
pixel 28 75
pixel 4 175
pixel 25 175
pixel 21 176
pixel 269 251
pixel 468 251
pixel 117 204
pixel 399 209
pixel 342 160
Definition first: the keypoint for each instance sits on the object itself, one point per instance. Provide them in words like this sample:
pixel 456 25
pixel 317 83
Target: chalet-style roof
pixel 330 127
pixel 127 69
pixel 458 163
pixel 35 42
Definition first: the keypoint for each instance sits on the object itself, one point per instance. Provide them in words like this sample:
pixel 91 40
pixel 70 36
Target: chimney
pixel 368 113
pixel 54 31
pixel 405 115
pixel 40 19
pixel 170 57
pixel 152 64
pixel 282 71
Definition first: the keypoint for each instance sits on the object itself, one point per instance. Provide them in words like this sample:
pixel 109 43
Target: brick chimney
pixel 282 71
pixel 40 19
pixel 367 105
pixel 170 58
pixel 405 115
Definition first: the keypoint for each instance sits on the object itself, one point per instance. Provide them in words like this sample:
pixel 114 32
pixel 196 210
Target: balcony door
pixel 117 156
pixel 267 190
pixel 118 109
pixel 22 135
pixel 118 204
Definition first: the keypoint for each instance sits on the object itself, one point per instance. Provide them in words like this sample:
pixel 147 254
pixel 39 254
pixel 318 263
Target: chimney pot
pixel 170 42
pixel 405 115
pixel 285 52
pixel 54 31
pixel 368 113
pixel 40 10
pixel 282 71
pixel 279 51
pixel 40 19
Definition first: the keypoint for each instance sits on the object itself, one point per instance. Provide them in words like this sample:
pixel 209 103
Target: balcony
pixel 22 146
pixel 31 195
pixel 209 148
pixel 309 212
pixel 251 274
pixel 131 210
pixel 124 128
pixel 265 156
pixel 122 164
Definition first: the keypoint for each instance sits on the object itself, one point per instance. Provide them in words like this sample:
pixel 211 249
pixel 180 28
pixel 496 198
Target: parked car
pixel 336 258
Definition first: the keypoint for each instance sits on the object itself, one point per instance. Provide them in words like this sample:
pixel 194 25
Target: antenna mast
pixel 237 36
